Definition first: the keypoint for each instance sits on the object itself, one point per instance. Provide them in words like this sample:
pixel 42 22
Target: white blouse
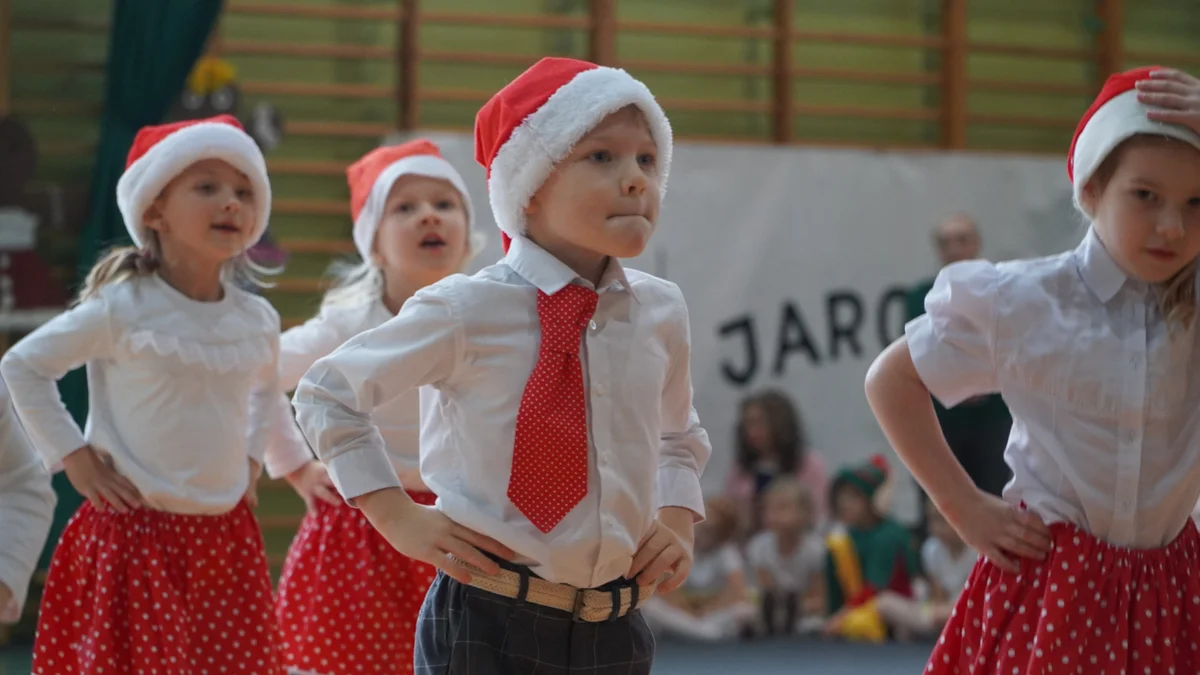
pixel 474 342
pixel 1105 399
pixel 300 347
pixel 26 509
pixel 174 386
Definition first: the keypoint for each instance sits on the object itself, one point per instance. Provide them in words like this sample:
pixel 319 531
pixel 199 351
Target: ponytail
pixel 120 264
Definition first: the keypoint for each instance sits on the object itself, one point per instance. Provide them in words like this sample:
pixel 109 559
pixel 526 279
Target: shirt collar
pixel 1097 267
pixel 549 274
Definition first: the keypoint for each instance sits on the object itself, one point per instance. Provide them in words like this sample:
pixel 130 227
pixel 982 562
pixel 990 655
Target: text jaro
pixel 846 325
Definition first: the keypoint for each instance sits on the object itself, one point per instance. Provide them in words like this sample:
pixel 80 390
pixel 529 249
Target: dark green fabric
pixel 884 551
pixel 153 45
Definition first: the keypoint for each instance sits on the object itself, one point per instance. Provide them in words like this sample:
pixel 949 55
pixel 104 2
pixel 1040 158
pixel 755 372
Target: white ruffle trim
pixel 249 353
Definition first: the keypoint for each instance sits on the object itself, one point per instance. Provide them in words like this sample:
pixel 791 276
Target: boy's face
pixel 602 199
pixel 852 506
pixel 784 513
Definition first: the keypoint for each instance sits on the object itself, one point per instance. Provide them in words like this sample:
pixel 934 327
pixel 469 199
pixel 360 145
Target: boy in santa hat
pixel 1090 558
pixel 558 430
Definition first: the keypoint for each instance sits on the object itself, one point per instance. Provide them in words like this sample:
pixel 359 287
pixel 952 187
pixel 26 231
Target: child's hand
pixel 92 474
pixel 312 482
pixel 666 548
pixel 997 529
pixel 1177 93
pixel 425 533
pixel 251 495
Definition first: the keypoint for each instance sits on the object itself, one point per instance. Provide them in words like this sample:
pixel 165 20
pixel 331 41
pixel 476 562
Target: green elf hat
pixel 868 477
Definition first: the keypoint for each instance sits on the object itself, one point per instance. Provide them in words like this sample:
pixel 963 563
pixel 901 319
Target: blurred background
pixel 831 156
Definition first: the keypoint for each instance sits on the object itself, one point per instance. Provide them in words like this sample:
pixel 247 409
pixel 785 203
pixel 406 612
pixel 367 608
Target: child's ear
pixel 152 218
pixel 1089 199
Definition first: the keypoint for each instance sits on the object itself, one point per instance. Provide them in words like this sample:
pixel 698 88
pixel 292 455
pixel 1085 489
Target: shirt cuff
pixel 681 487
pixel 64 441
pixel 359 472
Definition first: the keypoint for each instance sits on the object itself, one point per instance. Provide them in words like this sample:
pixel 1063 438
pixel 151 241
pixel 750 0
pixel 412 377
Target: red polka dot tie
pixel 550 450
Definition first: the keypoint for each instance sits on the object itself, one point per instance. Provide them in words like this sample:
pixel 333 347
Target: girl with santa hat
pixel 1091 555
pixel 348 601
pixel 163 569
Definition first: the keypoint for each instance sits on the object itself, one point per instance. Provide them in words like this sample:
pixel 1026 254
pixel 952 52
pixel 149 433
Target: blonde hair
pixel 787 485
pixel 1177 295
pixel 128 262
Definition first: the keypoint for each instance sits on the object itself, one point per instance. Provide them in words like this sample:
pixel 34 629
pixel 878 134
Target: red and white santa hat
pixel 533 123
pixel 1113 117
pixel 162 152
pixel 372 177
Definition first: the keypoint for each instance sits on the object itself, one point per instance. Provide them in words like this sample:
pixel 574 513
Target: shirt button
pixel 601 390
pixel 592 324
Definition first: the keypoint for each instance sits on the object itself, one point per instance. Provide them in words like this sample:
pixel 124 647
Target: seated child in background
pixel 714 603
pixel 787 559
pixel 867 554
pixel 947 562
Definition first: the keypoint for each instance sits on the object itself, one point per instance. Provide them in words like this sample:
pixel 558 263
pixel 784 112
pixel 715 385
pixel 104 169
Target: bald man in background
pixel 976 429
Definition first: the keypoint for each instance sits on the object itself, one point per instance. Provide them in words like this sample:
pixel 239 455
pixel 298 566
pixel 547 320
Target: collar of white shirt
pixel 549 274
pixel 1097 267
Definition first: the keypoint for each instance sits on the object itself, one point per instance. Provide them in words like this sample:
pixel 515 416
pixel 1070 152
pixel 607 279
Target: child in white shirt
pixel 412 227
pixel 163 568
pixel 788 559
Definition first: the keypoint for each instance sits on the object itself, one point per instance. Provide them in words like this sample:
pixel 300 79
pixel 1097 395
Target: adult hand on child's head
pixel 1176 93
pixel 312 483
pixel 425 533
pixel 93 475
pixel 999 530
pixel 665 549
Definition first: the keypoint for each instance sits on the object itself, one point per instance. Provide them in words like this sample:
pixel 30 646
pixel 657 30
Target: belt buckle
pixel 576 613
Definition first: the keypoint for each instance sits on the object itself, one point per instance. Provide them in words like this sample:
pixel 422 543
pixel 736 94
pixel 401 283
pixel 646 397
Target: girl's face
pixel 757 429
pixel 423 234
pixel 206 214
pixel 1147 213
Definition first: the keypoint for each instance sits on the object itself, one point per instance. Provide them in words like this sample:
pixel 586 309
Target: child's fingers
pixel 113 499
pixel 470 555
pixel 1164 100
pixel 1171 74
pixel 646 553
pixel 1020 547
pixel 326 494
pixel 994 554
pixel 1184 117
pixel 678 576
pixel 483 542
pixel 1165 86
pixel 454 570
pixel 128 490
pixel 662 563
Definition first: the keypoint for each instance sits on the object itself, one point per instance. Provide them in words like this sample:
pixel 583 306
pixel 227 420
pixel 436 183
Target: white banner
pixel 795 262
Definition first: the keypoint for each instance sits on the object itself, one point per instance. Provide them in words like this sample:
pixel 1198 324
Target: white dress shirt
pixel 26 509
pixel 790 572
pixel 474 341
pixel 949 571
pixel 1104 397
pixel 173 387
pixel 399 421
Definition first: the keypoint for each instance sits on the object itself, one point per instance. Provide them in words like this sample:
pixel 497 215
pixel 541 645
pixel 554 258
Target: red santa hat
pixel 160 153
pixel 1113 117
pixel 372 177
pixel 531 124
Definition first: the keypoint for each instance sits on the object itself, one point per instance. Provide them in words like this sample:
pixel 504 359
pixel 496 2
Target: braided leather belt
pixel 587 605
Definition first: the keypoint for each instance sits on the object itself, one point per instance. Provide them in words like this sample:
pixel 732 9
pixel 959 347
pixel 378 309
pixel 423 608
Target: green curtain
pixel 153 45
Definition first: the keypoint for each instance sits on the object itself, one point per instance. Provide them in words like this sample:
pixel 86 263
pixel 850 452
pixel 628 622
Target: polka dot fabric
pixel 150 592
pixel 550 449
pixel 1089 608
pixel 348 601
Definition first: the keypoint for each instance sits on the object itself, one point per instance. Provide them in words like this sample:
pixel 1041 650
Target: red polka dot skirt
pixel 1089 608
pixel 348 601
pixel 153 592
